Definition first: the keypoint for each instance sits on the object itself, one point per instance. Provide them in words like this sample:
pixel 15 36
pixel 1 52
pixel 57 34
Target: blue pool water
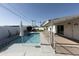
pixel 29 38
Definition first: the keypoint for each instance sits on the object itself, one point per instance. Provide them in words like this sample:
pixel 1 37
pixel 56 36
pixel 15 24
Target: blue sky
pixel 37 12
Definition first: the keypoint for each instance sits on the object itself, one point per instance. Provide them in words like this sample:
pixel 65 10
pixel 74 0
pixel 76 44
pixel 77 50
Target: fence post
pixel 53 35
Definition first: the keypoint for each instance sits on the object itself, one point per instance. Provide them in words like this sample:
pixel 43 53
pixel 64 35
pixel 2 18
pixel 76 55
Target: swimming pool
pixel 28 39
pixel 33 38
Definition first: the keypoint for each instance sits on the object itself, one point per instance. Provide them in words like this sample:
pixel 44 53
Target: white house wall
pixel 71 30
pixel 52 28
pixel 76 29
pixel 68 30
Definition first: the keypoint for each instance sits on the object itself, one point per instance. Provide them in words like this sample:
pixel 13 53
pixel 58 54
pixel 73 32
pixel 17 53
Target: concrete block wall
pixel 12 30
pixel 6 31
pixel 3 33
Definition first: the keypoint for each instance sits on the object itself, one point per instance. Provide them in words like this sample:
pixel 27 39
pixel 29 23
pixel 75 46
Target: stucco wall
pixel 68 30
pixel 76 29
pixel 71 30
pixel 52 28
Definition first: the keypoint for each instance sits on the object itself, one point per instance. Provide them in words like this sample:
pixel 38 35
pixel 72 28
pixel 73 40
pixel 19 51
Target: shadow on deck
pixel 66 46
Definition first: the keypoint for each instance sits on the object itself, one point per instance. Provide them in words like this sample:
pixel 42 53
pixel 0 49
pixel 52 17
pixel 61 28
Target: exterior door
pixel 60 29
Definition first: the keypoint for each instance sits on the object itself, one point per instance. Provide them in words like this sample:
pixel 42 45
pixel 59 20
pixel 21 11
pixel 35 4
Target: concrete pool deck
pixel 17 49
pixel 44 49
pixel 66 46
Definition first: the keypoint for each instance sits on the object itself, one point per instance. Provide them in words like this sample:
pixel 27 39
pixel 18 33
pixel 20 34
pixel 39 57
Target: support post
pixel 53 35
